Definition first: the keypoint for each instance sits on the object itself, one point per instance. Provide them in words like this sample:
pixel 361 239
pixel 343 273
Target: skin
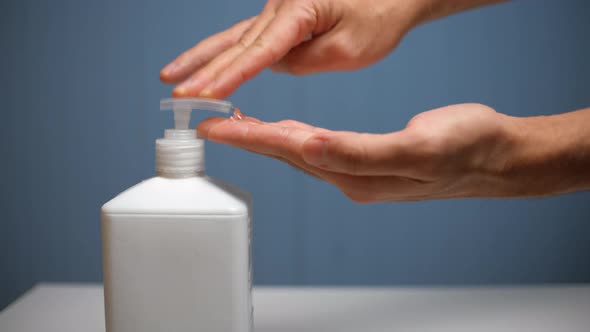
pixel 466 150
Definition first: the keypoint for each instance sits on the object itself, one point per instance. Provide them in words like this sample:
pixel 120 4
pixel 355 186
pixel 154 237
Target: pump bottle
pixel 176 247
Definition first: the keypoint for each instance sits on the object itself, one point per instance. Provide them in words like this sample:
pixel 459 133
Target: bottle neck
pixel 170 175
pixel 180 154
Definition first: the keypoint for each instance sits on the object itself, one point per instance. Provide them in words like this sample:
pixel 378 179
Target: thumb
pixel 356 153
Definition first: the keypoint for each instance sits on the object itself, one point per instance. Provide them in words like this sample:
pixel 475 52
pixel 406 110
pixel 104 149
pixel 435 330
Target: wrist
pixel 405 15
pixel 546 154
pixel 428 10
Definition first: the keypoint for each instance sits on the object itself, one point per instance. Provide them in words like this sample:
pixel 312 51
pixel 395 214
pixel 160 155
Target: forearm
pixel 428 10
pixel 549 154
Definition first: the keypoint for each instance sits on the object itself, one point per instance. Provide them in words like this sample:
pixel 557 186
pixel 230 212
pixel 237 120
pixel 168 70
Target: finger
pixel 294 21
pixel 299 125
pixel 205 126
pixel 260 137
pixel 193 86
pixel 359 154
pixel 198 56
pixel 267 139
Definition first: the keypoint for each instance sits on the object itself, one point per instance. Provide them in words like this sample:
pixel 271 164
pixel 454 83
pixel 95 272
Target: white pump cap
pixel 180 153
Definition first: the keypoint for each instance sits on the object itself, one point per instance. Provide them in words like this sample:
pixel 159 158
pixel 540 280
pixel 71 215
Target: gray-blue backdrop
pixel 79 115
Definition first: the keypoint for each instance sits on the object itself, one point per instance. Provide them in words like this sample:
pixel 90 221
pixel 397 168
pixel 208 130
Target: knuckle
pixel 430 156
pixel 260 42
pixel 345 50
pixel 308 14
pixel 416 119
pixel 265 46
pixel 284 135
pixel 243 43
pixel 429 142
pixel 352 156
pixel 482 108
pixel 426 140
pixel 339 49
pixel 430 147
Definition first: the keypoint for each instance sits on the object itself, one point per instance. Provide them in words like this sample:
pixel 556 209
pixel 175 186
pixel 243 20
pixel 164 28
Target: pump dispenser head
pixel 180 153
pixel 182 108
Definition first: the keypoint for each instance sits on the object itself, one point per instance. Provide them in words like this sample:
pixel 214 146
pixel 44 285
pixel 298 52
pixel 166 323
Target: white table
pixel 79 308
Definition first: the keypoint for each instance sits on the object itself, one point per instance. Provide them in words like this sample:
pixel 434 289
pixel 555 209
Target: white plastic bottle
pixel 176 247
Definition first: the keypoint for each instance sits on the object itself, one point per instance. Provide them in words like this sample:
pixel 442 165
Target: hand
pixel 455 151
pixel 295 36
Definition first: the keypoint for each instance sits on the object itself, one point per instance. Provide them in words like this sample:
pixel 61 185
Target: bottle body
pixel 176 257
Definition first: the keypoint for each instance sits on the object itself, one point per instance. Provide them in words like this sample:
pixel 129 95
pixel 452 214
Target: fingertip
pixel 169 74
pixel 164 76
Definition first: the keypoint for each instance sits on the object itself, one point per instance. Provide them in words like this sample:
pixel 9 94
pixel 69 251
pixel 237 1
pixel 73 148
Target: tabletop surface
pixel 79 307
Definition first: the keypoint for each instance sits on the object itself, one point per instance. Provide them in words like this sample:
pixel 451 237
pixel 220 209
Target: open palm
pixel 454 151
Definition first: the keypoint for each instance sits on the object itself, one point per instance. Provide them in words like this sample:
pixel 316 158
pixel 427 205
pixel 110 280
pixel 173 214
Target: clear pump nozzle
pixel 180 153
pixel 182 108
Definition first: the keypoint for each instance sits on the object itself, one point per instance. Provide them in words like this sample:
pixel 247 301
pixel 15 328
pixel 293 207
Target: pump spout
pixel 182 108
pixel 182 118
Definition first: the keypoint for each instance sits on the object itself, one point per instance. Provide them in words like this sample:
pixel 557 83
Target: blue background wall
pixel 79 115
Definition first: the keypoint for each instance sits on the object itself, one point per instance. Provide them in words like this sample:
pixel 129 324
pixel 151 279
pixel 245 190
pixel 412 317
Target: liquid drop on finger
pixel 237 115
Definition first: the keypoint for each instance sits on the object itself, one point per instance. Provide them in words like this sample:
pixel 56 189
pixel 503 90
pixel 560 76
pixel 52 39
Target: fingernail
pixel 313 151
pixel 209 88
pixel 207 92
pixel 192 84
pixel 179 91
